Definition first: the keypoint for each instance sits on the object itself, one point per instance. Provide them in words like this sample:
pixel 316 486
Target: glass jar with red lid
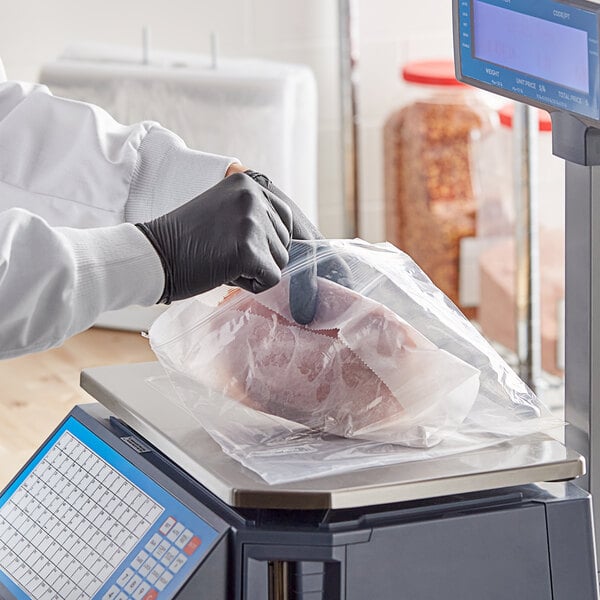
pixel 429 192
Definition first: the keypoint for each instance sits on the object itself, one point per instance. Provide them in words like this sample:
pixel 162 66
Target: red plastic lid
pixel 431 72
pixel 506 117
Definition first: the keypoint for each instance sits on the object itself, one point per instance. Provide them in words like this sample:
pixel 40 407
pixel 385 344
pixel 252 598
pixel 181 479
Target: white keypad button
pixel 170 554
pixel 161 549
pixel 146 508
pixel 141 591
pixel 177 563
pixel 147 567
pixel 129 543
pixel 118 556
pixel 175 532
pixel 125 576
pixel 87 581
pixel 153 543
pixel 163 581
pixel 133 583
pixel 184 538
pixel 167 525
pixel 155 574
pixel 139 560
pixel 154 512
pixel 76 594
pixel 130 495
pixel 111 594
pixel 138 503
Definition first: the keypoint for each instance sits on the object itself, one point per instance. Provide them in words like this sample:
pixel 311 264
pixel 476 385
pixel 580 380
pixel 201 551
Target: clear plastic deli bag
pixel 387 371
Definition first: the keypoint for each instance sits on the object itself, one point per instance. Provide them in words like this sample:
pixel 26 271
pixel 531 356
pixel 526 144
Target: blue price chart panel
pixel 81 522
pixel 544 51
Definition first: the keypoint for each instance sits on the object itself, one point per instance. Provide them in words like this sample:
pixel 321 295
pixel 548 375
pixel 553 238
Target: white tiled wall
pixel 306 31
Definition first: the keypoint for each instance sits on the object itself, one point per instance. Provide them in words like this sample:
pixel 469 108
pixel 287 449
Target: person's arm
pixel 54 282
pixel 74 165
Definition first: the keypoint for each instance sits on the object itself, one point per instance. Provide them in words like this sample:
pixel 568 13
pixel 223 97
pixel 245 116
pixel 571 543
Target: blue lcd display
pixel 547 50
pixel 541 50
pixel 82 522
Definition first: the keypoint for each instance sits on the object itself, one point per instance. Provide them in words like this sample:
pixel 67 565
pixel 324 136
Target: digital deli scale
pixel 129 499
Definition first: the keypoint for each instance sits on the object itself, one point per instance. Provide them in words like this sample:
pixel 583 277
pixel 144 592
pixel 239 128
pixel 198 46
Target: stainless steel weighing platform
pixel 124 391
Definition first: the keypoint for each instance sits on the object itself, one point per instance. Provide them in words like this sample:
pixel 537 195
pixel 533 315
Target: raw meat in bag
pixel 357 371
pixel 391 365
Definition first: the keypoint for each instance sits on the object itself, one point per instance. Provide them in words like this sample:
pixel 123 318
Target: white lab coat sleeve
pixel 72 180
pixel 74 165
pixel 54 281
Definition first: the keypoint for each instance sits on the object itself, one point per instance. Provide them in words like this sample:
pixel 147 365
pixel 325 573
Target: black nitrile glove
pixel 303 285
pixel 236 233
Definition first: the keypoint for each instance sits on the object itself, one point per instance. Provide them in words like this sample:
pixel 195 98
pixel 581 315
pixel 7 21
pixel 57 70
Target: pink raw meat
pixel 356 369
pixel 301 374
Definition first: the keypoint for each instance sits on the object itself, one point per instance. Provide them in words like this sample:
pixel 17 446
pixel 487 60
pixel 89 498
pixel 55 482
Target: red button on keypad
pixel 192 545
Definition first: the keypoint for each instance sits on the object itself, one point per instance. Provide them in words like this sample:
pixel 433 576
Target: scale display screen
pixel 81 522
pixel 540 50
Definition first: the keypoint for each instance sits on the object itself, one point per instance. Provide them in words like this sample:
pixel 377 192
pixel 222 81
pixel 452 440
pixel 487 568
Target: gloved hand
pixel 236 232
pixel 303 285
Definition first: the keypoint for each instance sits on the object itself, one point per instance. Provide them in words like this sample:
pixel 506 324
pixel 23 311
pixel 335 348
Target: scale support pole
pixel 528 321
pixel 582 322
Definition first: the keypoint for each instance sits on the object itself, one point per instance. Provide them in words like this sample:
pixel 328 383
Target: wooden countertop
pixel 39 390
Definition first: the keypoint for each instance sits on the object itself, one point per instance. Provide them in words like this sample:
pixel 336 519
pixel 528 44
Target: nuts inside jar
pixel 430 204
